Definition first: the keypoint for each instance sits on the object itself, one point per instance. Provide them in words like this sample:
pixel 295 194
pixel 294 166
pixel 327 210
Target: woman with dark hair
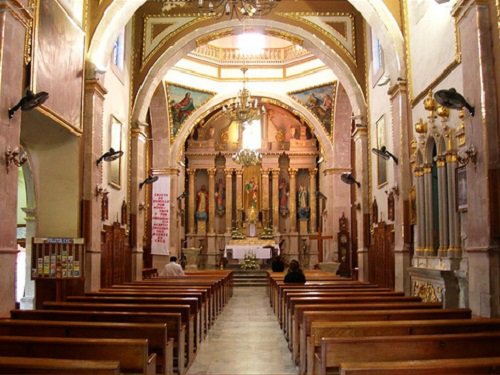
pixel 295 274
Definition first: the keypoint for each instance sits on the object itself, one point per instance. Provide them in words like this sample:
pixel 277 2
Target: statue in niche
pixel 303 202
pixel 252 189
pixel 202 204
pixel 220 195
pixel 283 197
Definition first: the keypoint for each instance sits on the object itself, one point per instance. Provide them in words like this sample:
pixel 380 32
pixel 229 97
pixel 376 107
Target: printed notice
pixel 160 223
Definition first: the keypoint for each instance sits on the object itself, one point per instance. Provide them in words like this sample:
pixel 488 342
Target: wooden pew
pixel 156 334
pixel 456 366
pixel 335 351
pixel 300 309
pixel 132 354
pixel 307 362
pixel 320 330
pixel 193 301
pixel 50 366
pixel 294 301
pixel 185 310
pixel 176 329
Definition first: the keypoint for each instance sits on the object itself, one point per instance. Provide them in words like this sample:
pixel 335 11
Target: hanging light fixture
pixel 243 108
pixel 238 8
pixel 247 157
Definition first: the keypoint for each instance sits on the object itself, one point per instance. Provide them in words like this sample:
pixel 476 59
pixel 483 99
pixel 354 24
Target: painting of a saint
pixel 283 197
pixel 220 195
pixel 320 101
pixel 303 202
pixel 202 204
pixel 183 101
pixel 252 189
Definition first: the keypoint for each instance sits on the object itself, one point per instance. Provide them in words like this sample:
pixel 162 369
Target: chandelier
pixel 238 8
pixel 244 108
pixel 247 157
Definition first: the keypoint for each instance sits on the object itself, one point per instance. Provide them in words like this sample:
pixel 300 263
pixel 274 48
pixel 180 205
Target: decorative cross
pixel 319 237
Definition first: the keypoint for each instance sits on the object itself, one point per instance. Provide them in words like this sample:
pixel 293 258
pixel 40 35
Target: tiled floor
pixel 245 339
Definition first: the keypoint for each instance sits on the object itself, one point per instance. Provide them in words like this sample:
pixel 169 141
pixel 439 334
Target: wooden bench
pixel 132 354
pixel 176 330
pixel 320 330
pixel 335 351
pixel 50 366
pixel 462 366
pixel 156 334
pixel 184 310
pixel 300 309
pixel 306 362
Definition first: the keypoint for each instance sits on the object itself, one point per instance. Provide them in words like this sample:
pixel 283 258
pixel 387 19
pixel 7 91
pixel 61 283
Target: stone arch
pixel 188 43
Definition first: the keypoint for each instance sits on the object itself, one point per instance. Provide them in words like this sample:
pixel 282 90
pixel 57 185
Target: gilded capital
pixel 191 171
pixel 228 171
pixel 239 172
pixel 292 172
pixel 275 172
pixel 211 171
pixel 313 171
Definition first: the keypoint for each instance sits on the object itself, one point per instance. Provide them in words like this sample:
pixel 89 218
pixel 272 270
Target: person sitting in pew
pixel 295 274
pixel 277 264
pixel 172 268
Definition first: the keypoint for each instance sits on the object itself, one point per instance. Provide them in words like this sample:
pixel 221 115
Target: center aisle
pixel 245 339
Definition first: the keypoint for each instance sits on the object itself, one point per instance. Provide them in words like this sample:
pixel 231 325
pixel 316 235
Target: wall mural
pixel 182 101
pixel 320 100
pixel 59 53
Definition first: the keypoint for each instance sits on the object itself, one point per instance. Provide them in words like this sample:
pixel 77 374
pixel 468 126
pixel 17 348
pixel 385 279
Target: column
pixel 265 197
pixel 312 199
pixel 292 201
pixel 443 207
pixel 477 28
pixel 239 197
pixel 429 243
pixel 454 248
pixel 275 199
pixel 420 239
pixel 92 177
pixel 137 199
pixel 211 200
pixel 229 199
pixel 360 137
pixel 402 135
pixel 191 196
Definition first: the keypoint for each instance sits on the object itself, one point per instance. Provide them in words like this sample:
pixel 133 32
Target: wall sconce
pixel 29 101
pixel 100 191
pixel 110 156
pixel 347 178
pixel 148 181
pixel 468 155
pixel 452 99
pixel 15 156
pixel 384 154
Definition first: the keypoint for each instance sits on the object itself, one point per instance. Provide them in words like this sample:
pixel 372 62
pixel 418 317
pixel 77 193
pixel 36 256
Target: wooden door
pixel 381 256
pixel 115 256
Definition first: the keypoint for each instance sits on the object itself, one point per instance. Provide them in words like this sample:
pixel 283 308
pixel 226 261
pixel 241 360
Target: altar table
pixel 240 251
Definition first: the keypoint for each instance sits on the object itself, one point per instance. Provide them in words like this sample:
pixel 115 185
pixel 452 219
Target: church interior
pixel 359 137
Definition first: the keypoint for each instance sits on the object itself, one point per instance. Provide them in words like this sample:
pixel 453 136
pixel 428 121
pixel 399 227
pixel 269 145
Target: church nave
pixel 246 339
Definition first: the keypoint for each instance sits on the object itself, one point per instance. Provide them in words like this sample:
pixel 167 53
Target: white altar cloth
pixel 240 251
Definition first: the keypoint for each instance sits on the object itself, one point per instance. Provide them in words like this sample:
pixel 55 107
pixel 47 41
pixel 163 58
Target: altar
pixel 262 249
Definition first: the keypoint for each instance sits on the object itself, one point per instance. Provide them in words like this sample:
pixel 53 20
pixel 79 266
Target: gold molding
pixel 164 171
pixel 59 120
pixel 205 39
pixel 298 16
pixel 427 291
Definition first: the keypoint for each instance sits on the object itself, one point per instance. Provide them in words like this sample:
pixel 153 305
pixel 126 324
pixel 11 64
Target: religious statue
pixel 202 204
pixel 283 197
pixel 220 194
pixel 252 188
pixel 303 202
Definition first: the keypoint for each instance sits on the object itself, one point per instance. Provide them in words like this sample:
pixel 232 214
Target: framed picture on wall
pixel 116 144
pixel 381 162
pixel 377 55
pixel 461 186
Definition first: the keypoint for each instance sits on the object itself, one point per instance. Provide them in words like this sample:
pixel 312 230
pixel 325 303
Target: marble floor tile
pixel 245 340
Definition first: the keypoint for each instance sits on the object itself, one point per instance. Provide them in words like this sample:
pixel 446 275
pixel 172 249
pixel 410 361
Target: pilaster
pixel 265 195
pixel 312 199
pixel 293 199
pixel 275 173
pixel 211 201
pixel 239 196
pixel 229 199
pixel 191 199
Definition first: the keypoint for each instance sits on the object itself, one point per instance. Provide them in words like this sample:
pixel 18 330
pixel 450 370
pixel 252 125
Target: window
pixel 252 137
pixel 119 51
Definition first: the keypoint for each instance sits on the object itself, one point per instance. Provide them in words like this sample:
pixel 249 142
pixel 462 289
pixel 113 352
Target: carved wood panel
pixel 381 256
pixel 115 256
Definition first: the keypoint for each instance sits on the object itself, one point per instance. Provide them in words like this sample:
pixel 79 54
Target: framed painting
pixel 320 100
pixel 377 55
pixel 58 63
pixel 380 141
pixel 115 142
pixel 182 102
pixel 461 186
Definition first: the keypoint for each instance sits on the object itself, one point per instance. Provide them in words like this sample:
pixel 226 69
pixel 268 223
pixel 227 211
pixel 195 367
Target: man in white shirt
pixel 172 268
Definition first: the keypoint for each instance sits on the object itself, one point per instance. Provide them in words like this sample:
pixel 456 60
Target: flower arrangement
pixel 250 262
pixel 237 235
pixel 267 233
